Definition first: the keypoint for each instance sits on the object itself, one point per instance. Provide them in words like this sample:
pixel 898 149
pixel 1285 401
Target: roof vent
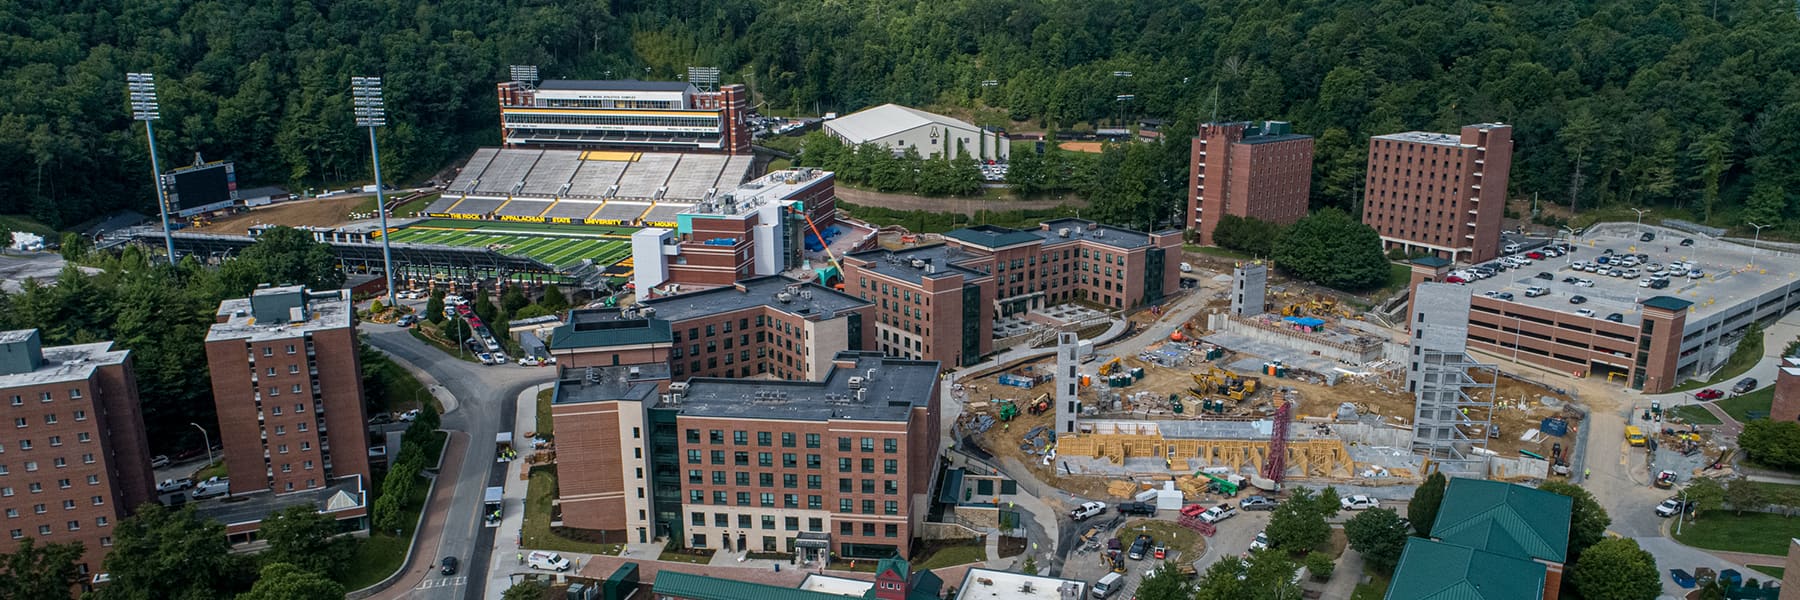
pixel 784 297
pixel 1064 232
pixel 856 383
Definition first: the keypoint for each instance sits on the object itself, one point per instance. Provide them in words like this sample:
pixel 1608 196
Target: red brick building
pixel 1787 391
pixel 939 302
pixel 288 387
pixel 1255 170
pixel 1440 193
pixel 768 326
pixel 751 463
pixel 75 459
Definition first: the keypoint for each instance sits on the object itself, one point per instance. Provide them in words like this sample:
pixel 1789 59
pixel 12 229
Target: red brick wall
pixel 239 432
pixel 297 426
pixel 119 468
pixel 340 380
pixel 1270 181
pixel 1423 193
pixel 1787 395
pixel 590 477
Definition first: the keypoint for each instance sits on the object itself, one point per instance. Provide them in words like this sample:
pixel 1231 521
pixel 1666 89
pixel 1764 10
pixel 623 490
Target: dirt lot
pixel 327 212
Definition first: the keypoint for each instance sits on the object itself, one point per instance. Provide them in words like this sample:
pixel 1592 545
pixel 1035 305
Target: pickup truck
pixel 1137 508
pixel 1219 513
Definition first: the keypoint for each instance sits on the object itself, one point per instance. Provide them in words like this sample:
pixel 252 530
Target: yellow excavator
pixel 1112 366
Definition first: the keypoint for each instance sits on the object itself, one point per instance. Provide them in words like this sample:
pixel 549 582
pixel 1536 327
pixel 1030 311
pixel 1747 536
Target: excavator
pixel 1226 383
pixel 1039 405
pixel 1112 366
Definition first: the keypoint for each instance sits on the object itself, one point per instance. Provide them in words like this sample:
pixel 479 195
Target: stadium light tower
pixel 144 108
pixel 371 112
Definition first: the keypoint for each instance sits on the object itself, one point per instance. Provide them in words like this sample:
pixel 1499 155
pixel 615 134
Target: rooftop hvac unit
pixel 1099 233
pixel 861 393
pixel 918 264
pixel 647 311
pixel 1064 232
pixel 784 297
pixel 635 371
pixel 856 383
pixel 679 387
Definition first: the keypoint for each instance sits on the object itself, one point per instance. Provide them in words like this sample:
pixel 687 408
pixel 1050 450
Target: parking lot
pixel 1232 538
pixel 1730 274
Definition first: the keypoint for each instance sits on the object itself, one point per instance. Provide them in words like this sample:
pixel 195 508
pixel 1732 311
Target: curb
pixel 412 546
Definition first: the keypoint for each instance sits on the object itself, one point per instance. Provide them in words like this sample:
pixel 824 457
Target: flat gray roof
pixel 252 508
pixel 897 387
pixel 324 310
pixel 64 363
pixel 1117 237
pixel 621 85
pixel 808 300
pixel 898 263
pixel 1426 137
pixel 600 384
pixel 1729 279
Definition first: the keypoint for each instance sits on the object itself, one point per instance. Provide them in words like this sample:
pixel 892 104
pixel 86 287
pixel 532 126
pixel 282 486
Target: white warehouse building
pixel 897 128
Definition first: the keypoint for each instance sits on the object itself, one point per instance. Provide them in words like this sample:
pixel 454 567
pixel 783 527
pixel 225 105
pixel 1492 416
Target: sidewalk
pixel 508 555
pixel 417 567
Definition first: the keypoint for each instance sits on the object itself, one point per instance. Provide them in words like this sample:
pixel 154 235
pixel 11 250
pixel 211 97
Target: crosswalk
pixel 442 582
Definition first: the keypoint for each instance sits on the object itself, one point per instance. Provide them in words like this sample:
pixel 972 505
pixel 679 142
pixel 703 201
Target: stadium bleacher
pixel 443 204
pixel 508 168
pixel 523 208
pixel 594 177
pixel 465 180
pixel 553 170
pixel 619 210
pixel 737 171
pixel 665 213
pixel 572 209
pixel 695 175
pixel 643 178
pixel 476 206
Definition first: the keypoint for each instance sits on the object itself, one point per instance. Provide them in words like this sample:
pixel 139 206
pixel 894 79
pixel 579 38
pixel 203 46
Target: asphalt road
pixel 485 399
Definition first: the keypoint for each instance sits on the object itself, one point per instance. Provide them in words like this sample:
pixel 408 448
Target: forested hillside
pixel 1684 104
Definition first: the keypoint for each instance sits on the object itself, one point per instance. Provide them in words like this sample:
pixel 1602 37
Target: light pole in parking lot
pixel 205 439
pixel 371 112
pixel 1569 257
pixel 1754 242
pixel 144 107
pixel 1640 221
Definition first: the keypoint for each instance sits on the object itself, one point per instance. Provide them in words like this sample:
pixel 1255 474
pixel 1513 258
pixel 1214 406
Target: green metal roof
pixel 701 587
pixel 1506 519
pixel 1432 570
pixel 1669 303
pixel 992 236
pixel 575 335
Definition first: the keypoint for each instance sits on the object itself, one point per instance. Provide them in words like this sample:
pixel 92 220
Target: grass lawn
pixel 545 426
pixel 216 469
pixel 1775 572
pixel 1740 407
pixel 963 553
pixel 1399 276
pixel 700 557
pixel 538 495
pixel 1217 251
pixel 29 225
pixel 1375 589
pixel 402 391
pixel 1693 413
pixel 1183 542
pixel 779 164
pixel 1746 355
pixel 381 553
pixel 1758 533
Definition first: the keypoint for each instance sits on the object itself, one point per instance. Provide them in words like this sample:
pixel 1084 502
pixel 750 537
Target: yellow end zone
pixel 612 155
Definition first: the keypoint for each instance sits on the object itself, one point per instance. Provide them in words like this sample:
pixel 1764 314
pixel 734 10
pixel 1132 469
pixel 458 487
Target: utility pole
pixel 371 112
pixel 144 107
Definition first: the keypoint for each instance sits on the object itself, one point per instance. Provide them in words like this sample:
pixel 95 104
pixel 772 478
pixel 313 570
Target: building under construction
pixel 1452 408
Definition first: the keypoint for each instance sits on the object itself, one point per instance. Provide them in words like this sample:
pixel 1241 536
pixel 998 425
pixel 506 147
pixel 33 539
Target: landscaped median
pixel 1751 532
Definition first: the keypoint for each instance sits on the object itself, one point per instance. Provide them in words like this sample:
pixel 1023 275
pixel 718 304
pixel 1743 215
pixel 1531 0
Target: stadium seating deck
pixel 695 174
pixel 643 178
pixel 443 204
pixel 472 170
pixel 737 169
pixel 593 178
pixel 665 213
pixel 478 206
pixel 553 170
pixel 524 208
pixel 507 169
pixel 622 211
pixel 572 209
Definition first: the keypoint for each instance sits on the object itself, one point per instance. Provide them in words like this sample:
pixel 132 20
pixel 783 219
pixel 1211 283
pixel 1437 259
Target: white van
pixel 1512 248
pixel 547 560
pixel 1108 585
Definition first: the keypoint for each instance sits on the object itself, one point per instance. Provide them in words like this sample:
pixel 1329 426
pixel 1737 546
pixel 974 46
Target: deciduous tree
pixel 1743 494
pixel 34 570
pixel 283 581
pixel 1331 249
pixel 1615 568
pixel 172 553
pixel 1423 508
pixel 303 537
pixel 1379 535
pixel 1298 525
pixel 1587 519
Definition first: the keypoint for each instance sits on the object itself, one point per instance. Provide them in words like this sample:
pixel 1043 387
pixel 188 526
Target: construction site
pixel 1211 410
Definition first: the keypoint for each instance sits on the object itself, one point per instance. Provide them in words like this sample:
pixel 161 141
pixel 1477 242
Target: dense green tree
pixel 1380 535
pixel 524 590
pixel 1166 583
pixel 283 581
pixel 434 307
pixel 1319 565
pixel 1587 519
pixel 303 537
pixel 1298 524
pixel 1331 249
pixel 532 311
pixel 285 256
pixel 1266 575
pixel 512 298
pixel 554 300
pixel 1246 234
pixel 1706 494
pixel 484 308
pixel 35 570
pixel 1615 568
pixel 74 246
pixel 1743 494
pixel 1775 444
pixel 1423 508
pixel 172 553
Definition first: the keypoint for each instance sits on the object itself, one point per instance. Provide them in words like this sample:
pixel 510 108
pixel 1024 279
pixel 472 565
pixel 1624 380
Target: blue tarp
pixel 1306 321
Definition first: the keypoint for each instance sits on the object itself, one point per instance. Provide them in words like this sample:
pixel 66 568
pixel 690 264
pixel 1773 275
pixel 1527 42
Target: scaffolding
pixel 1453 410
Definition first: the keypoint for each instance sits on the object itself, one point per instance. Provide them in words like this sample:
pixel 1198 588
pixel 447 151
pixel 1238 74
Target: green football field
pixel 561 248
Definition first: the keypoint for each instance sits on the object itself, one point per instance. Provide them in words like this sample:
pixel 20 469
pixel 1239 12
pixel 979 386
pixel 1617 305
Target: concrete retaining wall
pixel 947 531
pixel 1299 342
pixel 1516 468
pixel 1373 435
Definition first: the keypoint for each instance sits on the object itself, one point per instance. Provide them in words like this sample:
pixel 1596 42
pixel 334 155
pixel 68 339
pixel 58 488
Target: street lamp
pixel 205 439
pixel 1569 257
pixel 1755 242
pixel 144 107
pixel 1640 220
pixel 371 112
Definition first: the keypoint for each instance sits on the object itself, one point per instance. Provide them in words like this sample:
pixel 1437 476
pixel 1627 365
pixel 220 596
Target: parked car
pixel 1455 279
pixel 1646 237
pixel 1358 502
pixel 485 358
pixel 1616 318
pixel 159 461
pixel 1533 292
pixel 409 416
pixel 1137 508
pixel 1139 547
pixel 213 486
pixel 1261 542
pixel 1534 255
pixel 1687 241
pixel 1258 503
pixel 1546 276
pixel 1671 507
pixel 1659 284
pixel 1512 248
pixel 448 566
pixel 174 485
pixel 1086 510
pixel 1709 394
pixel 1219 513
pixel 1744 386
pixel 1161 551
pixel 549 561
pixel 1582 312
pixel 1577 299
pixel 1584 282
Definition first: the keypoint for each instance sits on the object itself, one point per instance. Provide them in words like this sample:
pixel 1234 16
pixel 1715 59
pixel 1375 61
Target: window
pixel 812 461
pixel 765 459
pixel 790 500
pixel 100 521
pixel 19 422
pixel 718 457
pixel 844 505
pixel 740 437
pixel 740 458
pixel 843 465
pixel 98 501
pixel 844 485
pixel 698 519
pixel 743 478
pixel 50 419
pixel 891 507
pixel 815 524
pixel 768 499
pixel 892 530
pixel 891 487
pixel 744 521
pixel 813 482
pixel 56 440
pixel 764 438
pixel 17 400
pixel 716 436
pixel 768 521
pixel 293 369
pixel 843 444
pixel 787 440
pixel 290 348
pixel 696 497
pixel 696 476
pixel 868 486
pixel 790 481
pixel 12 513
pixel 31 466
pixel 868 444
pixel 812 440
pixel 82 437
pixel 693 457
pixel 789 460
pixel 276 411
pixel 868 507
pixel 890 466
pixel 846 528
pixel 890 445
pixel 718 477
pixel 93 480
pixel 743 498
pixel 693 436
pixel 792 523
pixel 39 509
pixel 765 479
pixel 868 529
pixel 868 465
pixel 269 351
